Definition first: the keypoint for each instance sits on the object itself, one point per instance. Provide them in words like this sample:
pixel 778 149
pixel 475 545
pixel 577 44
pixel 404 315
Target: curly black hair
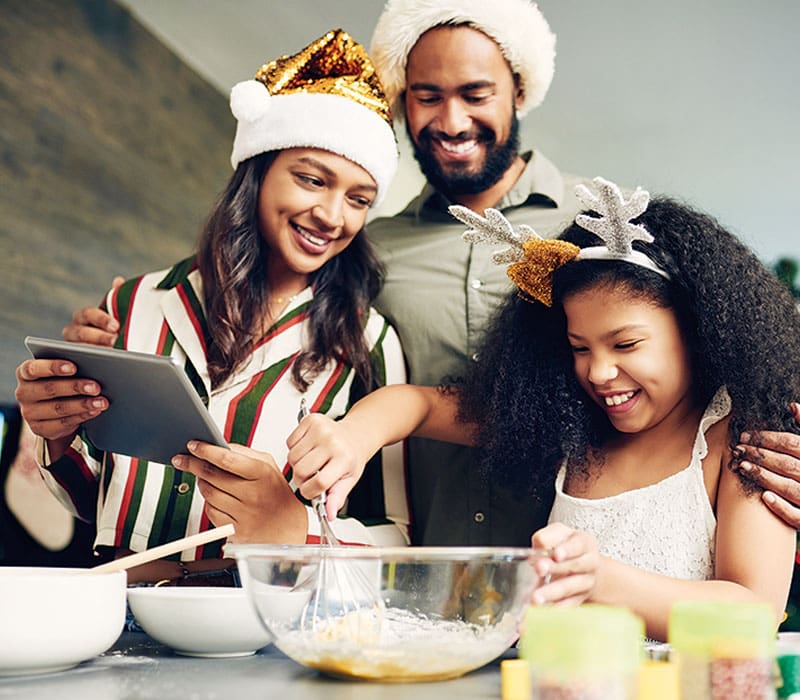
pixel 741 325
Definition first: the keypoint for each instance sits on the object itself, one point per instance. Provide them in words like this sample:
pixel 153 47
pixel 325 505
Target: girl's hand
pixel 572 565
pixel 245 487
pixel 325 457
pixel 54 402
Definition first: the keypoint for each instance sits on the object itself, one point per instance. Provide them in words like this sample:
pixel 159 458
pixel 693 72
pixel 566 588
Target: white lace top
pixel 668 527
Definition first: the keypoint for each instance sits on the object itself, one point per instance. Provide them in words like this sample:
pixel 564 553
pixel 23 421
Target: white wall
pixel 695 99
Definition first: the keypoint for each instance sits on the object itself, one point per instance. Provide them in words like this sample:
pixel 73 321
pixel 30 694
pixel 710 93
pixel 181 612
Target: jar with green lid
pixel 587 652
pixel 724 649
pixel 787 653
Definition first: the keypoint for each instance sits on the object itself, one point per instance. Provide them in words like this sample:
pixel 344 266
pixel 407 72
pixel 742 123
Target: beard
pixel 454 181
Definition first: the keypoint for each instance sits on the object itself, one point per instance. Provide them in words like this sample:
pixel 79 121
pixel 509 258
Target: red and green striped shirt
pixel 138 504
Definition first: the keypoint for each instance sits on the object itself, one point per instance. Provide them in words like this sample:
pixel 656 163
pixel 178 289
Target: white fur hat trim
pixel 313 120
pixel 518 27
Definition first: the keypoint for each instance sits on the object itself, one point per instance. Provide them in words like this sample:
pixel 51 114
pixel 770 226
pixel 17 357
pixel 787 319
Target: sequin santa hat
pixel 326 96
pixel 517 26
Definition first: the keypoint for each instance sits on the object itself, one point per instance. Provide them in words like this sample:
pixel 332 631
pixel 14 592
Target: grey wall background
pixel 696 99
pixel 114 135
pixel 112 151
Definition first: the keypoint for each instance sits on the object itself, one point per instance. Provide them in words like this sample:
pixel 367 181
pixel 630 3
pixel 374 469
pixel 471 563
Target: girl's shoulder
pixel 713 446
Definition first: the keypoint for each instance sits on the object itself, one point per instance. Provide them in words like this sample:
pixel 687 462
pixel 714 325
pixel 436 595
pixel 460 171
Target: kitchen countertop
pixel 141 668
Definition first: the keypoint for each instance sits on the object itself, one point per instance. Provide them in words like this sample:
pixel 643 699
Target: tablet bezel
pixel 153 408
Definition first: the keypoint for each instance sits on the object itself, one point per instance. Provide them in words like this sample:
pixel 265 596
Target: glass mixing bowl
pixel 389 613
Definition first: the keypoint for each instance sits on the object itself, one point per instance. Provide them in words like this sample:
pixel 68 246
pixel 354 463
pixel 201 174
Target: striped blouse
pixel 138 504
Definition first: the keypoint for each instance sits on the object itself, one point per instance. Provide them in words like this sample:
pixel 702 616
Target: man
pixel 461 72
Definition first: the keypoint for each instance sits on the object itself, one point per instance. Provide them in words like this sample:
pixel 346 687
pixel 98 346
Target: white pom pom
pixel 249 100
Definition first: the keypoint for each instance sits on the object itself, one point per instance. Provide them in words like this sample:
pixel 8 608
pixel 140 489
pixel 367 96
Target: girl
pixel 274 306
pixel 626 372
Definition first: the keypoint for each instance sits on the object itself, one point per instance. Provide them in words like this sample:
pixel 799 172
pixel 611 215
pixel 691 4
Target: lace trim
pixel 718 408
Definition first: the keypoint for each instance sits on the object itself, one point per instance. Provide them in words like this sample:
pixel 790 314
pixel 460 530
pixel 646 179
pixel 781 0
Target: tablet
pixel 153 408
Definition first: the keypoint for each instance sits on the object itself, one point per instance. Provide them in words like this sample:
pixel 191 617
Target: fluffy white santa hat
pixel 326 96
pixel 518 27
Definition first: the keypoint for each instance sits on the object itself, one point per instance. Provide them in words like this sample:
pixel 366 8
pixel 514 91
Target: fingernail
pixel 746 466
pixel 738 451
pixel 88 388
pixel 98 403
pixel 192 445
pixel 65 368
pixel 178 461
pixel 769 497
pixel 745 437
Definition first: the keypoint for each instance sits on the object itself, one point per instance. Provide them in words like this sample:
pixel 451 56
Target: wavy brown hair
pixel 232 259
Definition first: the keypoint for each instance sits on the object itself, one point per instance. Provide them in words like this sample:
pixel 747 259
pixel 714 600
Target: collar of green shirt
pixel 541 181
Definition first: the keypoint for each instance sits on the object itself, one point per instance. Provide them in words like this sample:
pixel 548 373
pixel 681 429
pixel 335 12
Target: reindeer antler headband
pixel 534 259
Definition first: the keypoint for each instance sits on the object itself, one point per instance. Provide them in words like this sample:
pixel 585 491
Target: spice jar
pixel 590 652
pixel 724 650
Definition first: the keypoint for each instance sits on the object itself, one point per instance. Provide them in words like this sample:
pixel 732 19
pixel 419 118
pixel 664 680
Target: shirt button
pixel 479 517
pixel 183 488
pixel 476 284
pixel 474 356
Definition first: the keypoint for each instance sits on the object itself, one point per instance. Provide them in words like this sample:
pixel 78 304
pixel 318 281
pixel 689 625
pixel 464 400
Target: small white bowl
pixel 199 620
pixel 53 618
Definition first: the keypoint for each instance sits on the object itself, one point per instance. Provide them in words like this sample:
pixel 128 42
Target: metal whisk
pixel 345 601
pixel 327 536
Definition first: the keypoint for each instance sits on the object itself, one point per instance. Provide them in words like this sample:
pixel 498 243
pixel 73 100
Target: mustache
pixel 481 134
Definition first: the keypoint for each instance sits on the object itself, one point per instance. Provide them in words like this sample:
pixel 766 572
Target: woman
pixel 274 306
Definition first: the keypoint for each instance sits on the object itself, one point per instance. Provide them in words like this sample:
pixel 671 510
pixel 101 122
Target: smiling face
pixel 460 109
pixel 311 205
pixel 630 357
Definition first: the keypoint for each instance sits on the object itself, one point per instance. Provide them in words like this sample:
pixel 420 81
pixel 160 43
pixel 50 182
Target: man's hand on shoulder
pixel 772 460
pixel 93 325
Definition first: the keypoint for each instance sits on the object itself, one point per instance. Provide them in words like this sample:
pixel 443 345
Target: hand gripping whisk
pixel 345 602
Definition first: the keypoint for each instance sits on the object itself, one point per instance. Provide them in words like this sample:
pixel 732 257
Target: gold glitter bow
pixel 533 259
pixel 534 275
pixel 334 64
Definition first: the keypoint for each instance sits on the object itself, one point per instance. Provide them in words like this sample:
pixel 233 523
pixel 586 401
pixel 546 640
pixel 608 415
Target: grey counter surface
pixel 137 667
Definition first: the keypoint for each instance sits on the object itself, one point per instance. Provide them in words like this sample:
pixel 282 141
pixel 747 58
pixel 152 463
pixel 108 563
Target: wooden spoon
pixel 164 550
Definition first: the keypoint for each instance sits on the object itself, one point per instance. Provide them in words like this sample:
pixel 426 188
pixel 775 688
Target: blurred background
pixel 115 131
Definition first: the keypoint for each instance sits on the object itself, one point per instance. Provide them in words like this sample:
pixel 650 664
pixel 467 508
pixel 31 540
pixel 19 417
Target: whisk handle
pixel 327 534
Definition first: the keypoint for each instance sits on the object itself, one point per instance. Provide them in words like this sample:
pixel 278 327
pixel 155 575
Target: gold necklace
pixel 284 300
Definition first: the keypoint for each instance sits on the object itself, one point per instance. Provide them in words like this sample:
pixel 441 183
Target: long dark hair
pixel 741 325
pixel 232 259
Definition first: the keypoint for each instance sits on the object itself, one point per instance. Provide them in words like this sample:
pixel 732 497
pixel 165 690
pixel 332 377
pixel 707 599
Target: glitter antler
pixel 614 225
pixel 495 228
pixel 532 258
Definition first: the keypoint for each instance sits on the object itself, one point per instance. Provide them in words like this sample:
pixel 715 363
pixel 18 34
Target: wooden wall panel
pixel 112 152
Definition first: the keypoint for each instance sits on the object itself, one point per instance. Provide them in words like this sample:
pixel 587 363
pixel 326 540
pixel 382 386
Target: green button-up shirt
pixel 440 293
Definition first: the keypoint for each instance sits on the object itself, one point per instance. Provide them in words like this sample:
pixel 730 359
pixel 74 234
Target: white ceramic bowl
pixel 389 613
pixel 199 620
pixel 54 618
